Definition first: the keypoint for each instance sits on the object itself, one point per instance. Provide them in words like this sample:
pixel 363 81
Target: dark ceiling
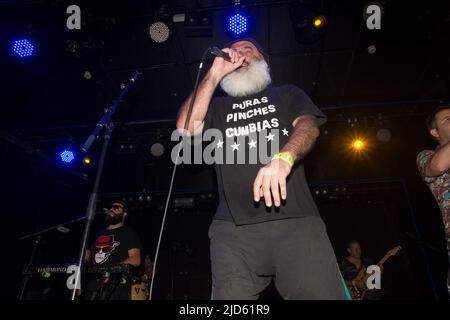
pixel 47 103
pixel 410 62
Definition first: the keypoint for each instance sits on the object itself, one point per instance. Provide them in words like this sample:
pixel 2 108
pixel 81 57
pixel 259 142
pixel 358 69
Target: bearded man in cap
pixel 267 225
pixel 113 245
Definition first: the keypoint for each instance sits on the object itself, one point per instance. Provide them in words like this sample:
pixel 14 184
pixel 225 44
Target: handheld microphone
pixel 215 51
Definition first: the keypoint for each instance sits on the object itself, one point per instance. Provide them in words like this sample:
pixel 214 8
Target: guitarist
pixel 351 266
pixel 115 244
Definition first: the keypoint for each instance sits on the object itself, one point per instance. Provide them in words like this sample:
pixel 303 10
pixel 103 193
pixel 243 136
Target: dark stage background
pixel 375 196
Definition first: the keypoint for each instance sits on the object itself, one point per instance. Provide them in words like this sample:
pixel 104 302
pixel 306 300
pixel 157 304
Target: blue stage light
pixel 238 23
pixel 23 48
pixel 67 156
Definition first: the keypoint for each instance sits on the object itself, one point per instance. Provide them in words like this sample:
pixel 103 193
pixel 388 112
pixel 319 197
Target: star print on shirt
pixel 252 144
pixel 270 137
pixel 219 144
pixel 285 132
pixel 235 146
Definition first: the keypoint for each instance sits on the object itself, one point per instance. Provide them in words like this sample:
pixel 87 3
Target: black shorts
pixel 296 253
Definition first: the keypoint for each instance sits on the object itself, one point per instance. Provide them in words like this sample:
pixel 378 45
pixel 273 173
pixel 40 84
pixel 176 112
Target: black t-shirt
pixel 111 246
pixel 257 127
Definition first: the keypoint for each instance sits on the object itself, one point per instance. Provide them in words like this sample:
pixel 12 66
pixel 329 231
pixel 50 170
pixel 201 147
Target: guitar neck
pixel 382 261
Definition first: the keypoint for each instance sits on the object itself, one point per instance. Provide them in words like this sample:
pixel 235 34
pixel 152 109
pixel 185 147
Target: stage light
pixel 319 22
pixel 159 31
pixel 358 145
pixel 238 24
pixel 87 75
pixel 67 156
pixel 371 49
pixel 72 46
pixel 184 203
pixel 198 24
pixel 87 161
pixel 384 135
pixel 23 48
pixel 157 149
pixel 308 23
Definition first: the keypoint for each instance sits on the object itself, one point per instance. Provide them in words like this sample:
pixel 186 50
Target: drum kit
pixel 140 285
pixel 139 290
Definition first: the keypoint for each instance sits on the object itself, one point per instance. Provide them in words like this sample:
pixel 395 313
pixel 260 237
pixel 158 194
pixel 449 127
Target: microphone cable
pixel 186 122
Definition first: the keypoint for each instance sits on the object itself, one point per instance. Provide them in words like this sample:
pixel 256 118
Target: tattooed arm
pixel 303 138
pixel 271 179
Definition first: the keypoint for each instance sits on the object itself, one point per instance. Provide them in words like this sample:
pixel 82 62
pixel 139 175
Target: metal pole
pixel 92 207
pixel 25 279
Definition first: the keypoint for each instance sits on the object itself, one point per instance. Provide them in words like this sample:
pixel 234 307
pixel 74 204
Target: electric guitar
pixel 362 276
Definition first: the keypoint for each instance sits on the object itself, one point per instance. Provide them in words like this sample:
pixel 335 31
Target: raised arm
pixel 440 162
pixel 208 85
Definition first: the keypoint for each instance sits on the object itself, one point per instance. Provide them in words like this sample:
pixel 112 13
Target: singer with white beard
pixel 267 225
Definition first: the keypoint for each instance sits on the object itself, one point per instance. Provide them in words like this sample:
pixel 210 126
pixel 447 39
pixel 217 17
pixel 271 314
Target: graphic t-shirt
pixel 253 129
pixel 111 246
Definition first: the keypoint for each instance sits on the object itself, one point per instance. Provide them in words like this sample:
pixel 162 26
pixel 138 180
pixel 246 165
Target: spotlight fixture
pixel 198 24
pixel 358 145
pixel 87 75
pixel 23 48
pixel 67 156
pixel 157 149
pixel 384 135
pixel 238 23
pixel 159 31
pixel 308 23
pixel 371 49
pixel 72 46
pixel 87 161
pixel 319 22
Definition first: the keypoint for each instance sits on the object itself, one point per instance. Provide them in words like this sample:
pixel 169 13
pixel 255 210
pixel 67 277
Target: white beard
pixel 255 79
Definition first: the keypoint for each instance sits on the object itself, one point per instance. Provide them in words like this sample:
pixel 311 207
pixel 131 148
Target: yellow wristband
pixel 284 156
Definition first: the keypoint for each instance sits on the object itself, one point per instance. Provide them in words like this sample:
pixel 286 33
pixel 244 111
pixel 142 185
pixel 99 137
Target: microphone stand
pixel 107 123
pixel 37 242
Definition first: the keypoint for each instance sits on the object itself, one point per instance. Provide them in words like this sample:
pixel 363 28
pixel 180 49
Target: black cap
pixel 255 43
pixel 119 201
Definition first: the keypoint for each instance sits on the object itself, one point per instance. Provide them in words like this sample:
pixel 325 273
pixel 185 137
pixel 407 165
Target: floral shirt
pixel 439 186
